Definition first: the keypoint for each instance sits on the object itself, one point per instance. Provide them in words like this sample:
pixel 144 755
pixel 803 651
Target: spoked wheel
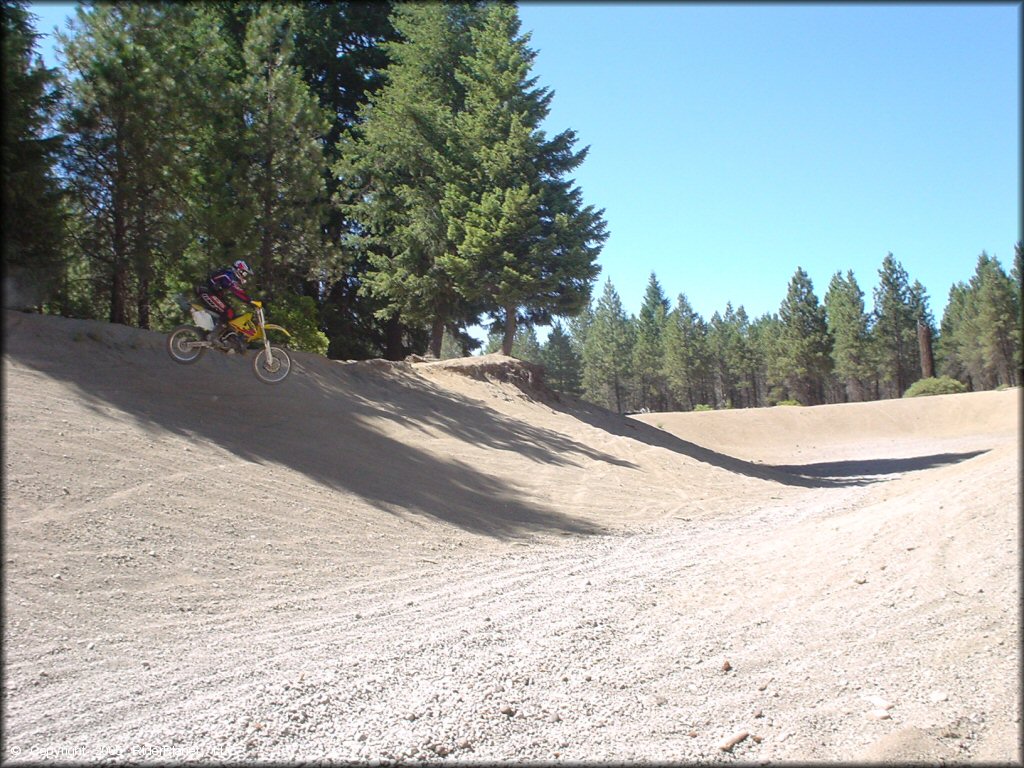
pixel 186 344
pixel 272 372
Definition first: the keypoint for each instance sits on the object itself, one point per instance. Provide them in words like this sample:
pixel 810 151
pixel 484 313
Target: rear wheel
pixel 186 344
pixel 272 372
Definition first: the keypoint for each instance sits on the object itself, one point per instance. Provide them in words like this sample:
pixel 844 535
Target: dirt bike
pixel 187 343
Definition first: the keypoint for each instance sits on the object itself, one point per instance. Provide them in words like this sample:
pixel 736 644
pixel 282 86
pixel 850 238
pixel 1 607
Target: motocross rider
pixel 214 294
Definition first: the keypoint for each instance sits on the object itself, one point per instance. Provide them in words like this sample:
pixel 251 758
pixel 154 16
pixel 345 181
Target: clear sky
pixel 732 143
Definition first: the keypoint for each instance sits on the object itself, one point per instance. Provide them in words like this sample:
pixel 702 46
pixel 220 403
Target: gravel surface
pixel 525 580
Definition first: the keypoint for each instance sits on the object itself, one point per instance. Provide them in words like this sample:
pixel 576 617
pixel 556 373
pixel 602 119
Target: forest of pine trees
pixel 809 352
pixel 382 167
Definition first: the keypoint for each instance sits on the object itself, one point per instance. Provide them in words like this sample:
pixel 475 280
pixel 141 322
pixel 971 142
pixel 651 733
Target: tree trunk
pixel 437 335
pixel 143 303
pixel 393 348
pixel 924 344
pixel 510 331
pixel 119 294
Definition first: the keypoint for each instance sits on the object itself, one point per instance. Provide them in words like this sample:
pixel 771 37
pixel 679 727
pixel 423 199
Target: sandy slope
pixel 437 560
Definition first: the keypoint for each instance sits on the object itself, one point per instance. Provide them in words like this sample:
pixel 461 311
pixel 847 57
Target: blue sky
pixel 730 144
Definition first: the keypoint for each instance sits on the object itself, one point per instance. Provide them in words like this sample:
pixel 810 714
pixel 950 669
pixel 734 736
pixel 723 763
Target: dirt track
pixel 380 561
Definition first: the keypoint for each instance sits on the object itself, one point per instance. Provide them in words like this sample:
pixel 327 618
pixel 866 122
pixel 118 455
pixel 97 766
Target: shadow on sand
pixel 822 475
pixel 325 422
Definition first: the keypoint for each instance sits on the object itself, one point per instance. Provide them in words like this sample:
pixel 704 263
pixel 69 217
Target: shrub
pixel 789 402
pixel 944 385
pixel 299 315
pixel 703 407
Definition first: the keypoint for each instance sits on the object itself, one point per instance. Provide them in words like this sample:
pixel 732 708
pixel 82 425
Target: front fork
pixel 266 340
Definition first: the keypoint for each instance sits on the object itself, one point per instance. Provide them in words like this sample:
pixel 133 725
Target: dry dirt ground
pixel 438 561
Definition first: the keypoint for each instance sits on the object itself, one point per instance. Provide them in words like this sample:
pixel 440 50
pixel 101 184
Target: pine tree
pixel 848 324
pixel 285 137
pixel 33 218
pixel 685 363
pixel 649 349
pixel 894 332
pixel 982 321
pixel 608 353
pixel 397 164
pixel 806 344
pixel 526 246
pixel 124 167
pixel 764 343
pixel 562 364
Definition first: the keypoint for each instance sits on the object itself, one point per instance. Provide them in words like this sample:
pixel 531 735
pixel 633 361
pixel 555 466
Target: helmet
pixel 242 271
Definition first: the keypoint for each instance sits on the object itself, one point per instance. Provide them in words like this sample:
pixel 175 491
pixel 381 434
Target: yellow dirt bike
pixel 187 343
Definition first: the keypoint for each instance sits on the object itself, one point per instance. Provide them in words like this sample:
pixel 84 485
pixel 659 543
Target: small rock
pixel 732 741
pixel 879 714
pixel 879 703
pixel 508 709
pixel 554 717
pixel 692 734
pixel 464 744
pixel 726 666
pixel 758 713
pixel 938 696
pixel 757 739
pixel 860 580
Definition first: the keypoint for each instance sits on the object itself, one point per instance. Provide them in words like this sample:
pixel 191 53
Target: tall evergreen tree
pixel 397 163
pixel 685 364
pixel 608 353
pixel 982 320
pixel 33 218
pixel 806 344
pixel 649 349
pixel 124 166
pixel 764 343
pixel 526 245
pixel 894 331
pixel 848 324
pixel 285 136
pixel 562 364
pixel 339 47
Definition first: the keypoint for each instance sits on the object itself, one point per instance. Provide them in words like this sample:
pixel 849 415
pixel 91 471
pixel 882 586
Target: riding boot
pixel 217 333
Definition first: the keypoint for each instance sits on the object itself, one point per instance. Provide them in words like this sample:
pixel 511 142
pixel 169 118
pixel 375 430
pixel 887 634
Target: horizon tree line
pixel 809 352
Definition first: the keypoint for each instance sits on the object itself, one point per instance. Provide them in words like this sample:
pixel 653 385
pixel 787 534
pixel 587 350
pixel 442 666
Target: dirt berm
pixel 443 561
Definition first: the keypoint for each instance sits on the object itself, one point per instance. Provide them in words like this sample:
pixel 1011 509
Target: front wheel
pixel 186 344
pixel 272 373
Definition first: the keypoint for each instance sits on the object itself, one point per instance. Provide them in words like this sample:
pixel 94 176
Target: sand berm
pixel 443 561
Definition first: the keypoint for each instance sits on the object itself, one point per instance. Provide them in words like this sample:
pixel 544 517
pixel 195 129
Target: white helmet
pixel 242 271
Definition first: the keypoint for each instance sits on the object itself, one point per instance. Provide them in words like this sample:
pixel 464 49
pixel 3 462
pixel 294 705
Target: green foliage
pixel 298 315
pixel 943 385
pixel 789 403
pixel 898 307
pixel 33 219
pixel 703 407
pixel 607 353
pixel 562 364
pixel 981 328
pixel 849 326
pixel 686 355
pixel 649 347
pixel 805 343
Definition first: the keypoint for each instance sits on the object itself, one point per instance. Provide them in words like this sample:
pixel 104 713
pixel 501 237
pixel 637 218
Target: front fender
pixel 272 327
